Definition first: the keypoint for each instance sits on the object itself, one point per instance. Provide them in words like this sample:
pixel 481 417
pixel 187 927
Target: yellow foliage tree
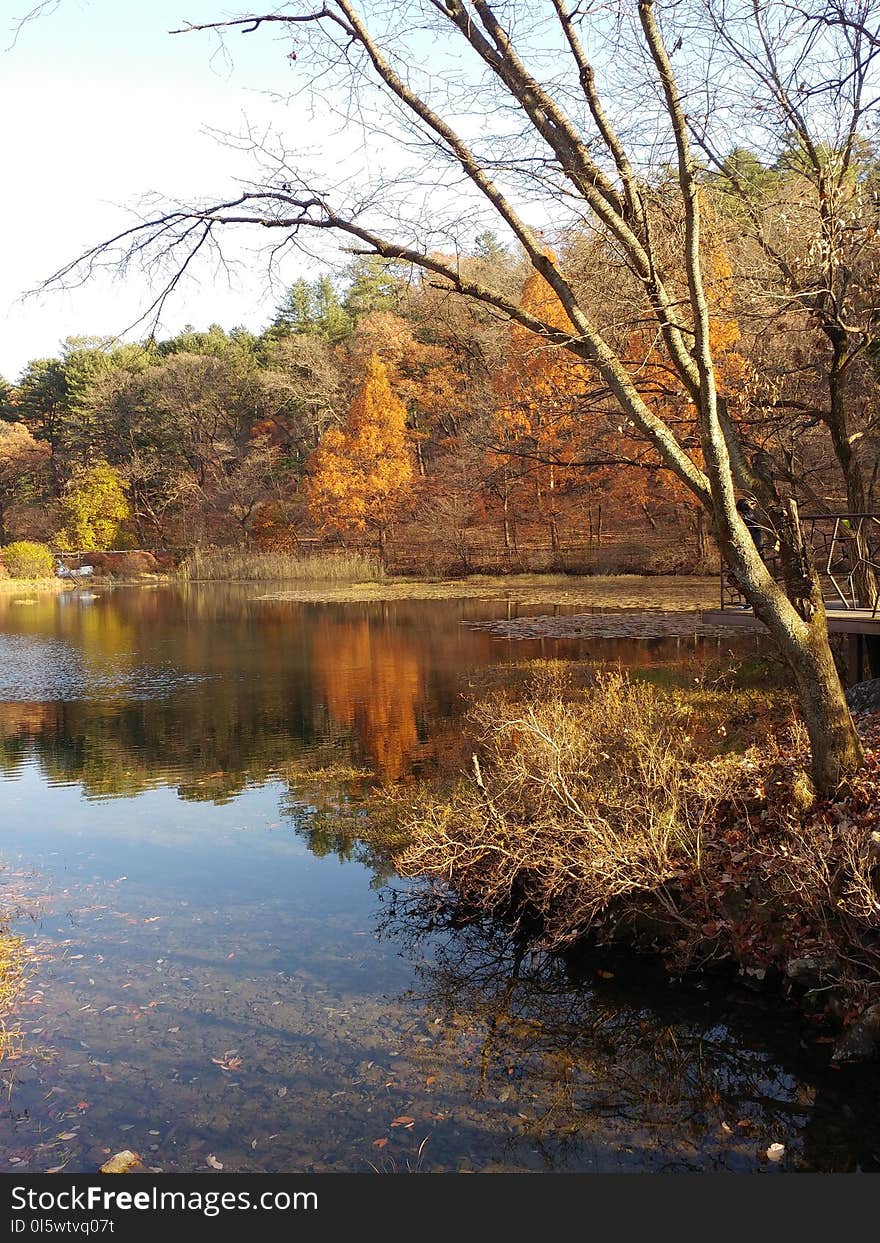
pixel 94 506
pixel 362 475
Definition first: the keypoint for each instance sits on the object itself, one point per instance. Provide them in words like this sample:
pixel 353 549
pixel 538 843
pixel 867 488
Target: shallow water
pixel 221 971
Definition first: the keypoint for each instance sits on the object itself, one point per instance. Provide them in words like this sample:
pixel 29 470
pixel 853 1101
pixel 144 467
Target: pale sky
pixel 100 105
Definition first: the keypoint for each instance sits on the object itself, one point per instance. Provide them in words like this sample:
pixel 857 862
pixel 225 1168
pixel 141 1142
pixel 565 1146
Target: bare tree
pixel 621 165
pixel 801 92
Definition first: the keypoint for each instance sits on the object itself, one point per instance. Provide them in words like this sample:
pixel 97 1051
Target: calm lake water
pixel 222 971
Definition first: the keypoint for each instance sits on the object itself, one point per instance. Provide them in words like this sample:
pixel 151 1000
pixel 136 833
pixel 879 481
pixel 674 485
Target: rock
pixel 812 972
pixel 125 1162
pixel 864 696
pixel 862 1038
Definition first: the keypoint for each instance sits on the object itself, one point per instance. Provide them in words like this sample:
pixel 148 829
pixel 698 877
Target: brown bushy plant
pixel 575 805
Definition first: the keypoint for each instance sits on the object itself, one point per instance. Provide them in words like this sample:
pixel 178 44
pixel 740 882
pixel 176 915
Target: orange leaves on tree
pixel 535 420
pixel 362 475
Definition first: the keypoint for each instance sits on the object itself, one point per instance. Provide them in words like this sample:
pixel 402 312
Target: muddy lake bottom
pixel 221 976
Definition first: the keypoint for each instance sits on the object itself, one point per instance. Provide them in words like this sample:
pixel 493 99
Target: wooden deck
pixel 840 620
pixel 861 625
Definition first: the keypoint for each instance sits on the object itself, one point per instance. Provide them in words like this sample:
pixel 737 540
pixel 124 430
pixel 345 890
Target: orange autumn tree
pixel 361 476
pixel 424 375
pixel 535 422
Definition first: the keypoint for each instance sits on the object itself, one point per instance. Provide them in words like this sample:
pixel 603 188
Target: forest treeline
pixel 382 407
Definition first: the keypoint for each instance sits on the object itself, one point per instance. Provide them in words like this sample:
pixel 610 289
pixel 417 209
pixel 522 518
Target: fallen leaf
pixel 379 1143
pixel 404 1120
pixel 214 1163
pixel 430 1081
pixel 227 1063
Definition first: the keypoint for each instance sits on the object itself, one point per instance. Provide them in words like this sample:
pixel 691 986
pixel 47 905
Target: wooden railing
pixel 846 552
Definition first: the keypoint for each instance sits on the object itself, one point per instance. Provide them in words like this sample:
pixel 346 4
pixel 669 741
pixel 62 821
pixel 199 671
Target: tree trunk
pixel 795 618
pixel 382 544
pixel 836 749
pixel 864 577
pixel 702 539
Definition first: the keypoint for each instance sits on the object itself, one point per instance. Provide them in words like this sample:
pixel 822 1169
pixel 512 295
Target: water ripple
pixel 38 669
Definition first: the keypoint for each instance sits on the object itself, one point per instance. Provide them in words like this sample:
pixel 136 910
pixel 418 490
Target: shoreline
pixel 29 586
pixel 725 860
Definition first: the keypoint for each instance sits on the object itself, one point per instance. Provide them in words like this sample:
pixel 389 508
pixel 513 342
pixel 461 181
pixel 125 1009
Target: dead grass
pixel 624 591
pixel 28 586
pixel 678 821
pixel 234 565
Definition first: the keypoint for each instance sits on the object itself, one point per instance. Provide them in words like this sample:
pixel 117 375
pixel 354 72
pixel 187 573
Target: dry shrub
pixel 122 564
pixel 576 806
pixel 825 863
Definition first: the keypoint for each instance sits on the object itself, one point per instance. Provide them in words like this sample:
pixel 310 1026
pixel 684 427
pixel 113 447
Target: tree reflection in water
pixel 616 1074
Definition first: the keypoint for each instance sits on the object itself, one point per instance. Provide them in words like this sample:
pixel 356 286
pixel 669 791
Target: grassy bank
pixel 232 565
pixel 677 822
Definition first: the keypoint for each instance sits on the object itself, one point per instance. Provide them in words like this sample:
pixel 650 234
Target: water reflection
pixel 214 690
pixel 613 1069
pixel 185 776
